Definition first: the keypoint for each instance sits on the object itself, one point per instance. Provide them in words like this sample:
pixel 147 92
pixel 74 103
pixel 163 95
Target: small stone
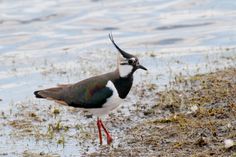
pixel 194 108
pixel 229 143
pixel 42 153
pixel 229 125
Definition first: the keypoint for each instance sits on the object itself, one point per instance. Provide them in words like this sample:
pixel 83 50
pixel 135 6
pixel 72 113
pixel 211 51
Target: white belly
pixel 113 102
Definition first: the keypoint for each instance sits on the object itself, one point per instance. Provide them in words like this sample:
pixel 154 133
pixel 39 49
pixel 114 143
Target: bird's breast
pixel 111 103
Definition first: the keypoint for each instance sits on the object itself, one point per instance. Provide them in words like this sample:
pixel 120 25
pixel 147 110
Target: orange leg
pixel 99 130
pixel 109 138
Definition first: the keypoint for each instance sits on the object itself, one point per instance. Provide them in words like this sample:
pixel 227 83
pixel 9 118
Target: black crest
pixel 123 53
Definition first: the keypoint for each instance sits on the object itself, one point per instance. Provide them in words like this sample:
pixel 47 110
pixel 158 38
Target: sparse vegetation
pixel 184 131
pixel 192 116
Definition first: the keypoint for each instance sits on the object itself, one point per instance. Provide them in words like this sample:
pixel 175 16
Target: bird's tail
pixel 37 95
pixel 50 93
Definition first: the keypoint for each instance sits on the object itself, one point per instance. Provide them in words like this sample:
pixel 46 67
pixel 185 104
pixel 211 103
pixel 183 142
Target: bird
pixel 99 94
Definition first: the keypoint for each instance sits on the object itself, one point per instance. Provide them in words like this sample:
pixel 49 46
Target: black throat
pixel 123 85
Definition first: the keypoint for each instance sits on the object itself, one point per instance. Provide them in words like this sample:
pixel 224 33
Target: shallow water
pixel 43 43
pixel 41 37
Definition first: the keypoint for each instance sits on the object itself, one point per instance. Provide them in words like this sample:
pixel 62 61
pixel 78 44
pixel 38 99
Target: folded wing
pixel 89 93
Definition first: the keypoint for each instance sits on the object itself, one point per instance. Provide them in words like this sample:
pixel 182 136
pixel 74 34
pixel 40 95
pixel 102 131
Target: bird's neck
pixel 122 84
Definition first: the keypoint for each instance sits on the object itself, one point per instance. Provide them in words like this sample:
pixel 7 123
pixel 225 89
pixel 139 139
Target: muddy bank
pixel 197 115
pixel 169 111
pixel 192 117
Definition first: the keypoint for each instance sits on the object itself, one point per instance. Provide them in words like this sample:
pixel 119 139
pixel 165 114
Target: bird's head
pixel 127 63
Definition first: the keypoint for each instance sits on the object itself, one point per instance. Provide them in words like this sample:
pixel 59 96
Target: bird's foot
pixel 109 140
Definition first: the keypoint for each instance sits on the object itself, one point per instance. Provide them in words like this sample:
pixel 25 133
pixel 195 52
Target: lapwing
pixel 99 94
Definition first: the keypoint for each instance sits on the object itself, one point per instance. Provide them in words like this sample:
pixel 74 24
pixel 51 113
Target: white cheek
pixel 125 70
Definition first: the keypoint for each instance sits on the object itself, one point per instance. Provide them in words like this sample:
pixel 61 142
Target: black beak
pixel 141 67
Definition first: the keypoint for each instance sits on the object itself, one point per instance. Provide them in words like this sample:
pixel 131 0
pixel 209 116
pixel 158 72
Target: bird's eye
pixel 130 61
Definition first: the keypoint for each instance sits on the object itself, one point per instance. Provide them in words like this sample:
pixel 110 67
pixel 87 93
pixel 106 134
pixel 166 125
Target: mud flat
pixel 198 115
pixel 191 116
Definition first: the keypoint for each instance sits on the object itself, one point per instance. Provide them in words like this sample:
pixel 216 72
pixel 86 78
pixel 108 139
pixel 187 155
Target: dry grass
pixel 192 117
pixel 199 115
